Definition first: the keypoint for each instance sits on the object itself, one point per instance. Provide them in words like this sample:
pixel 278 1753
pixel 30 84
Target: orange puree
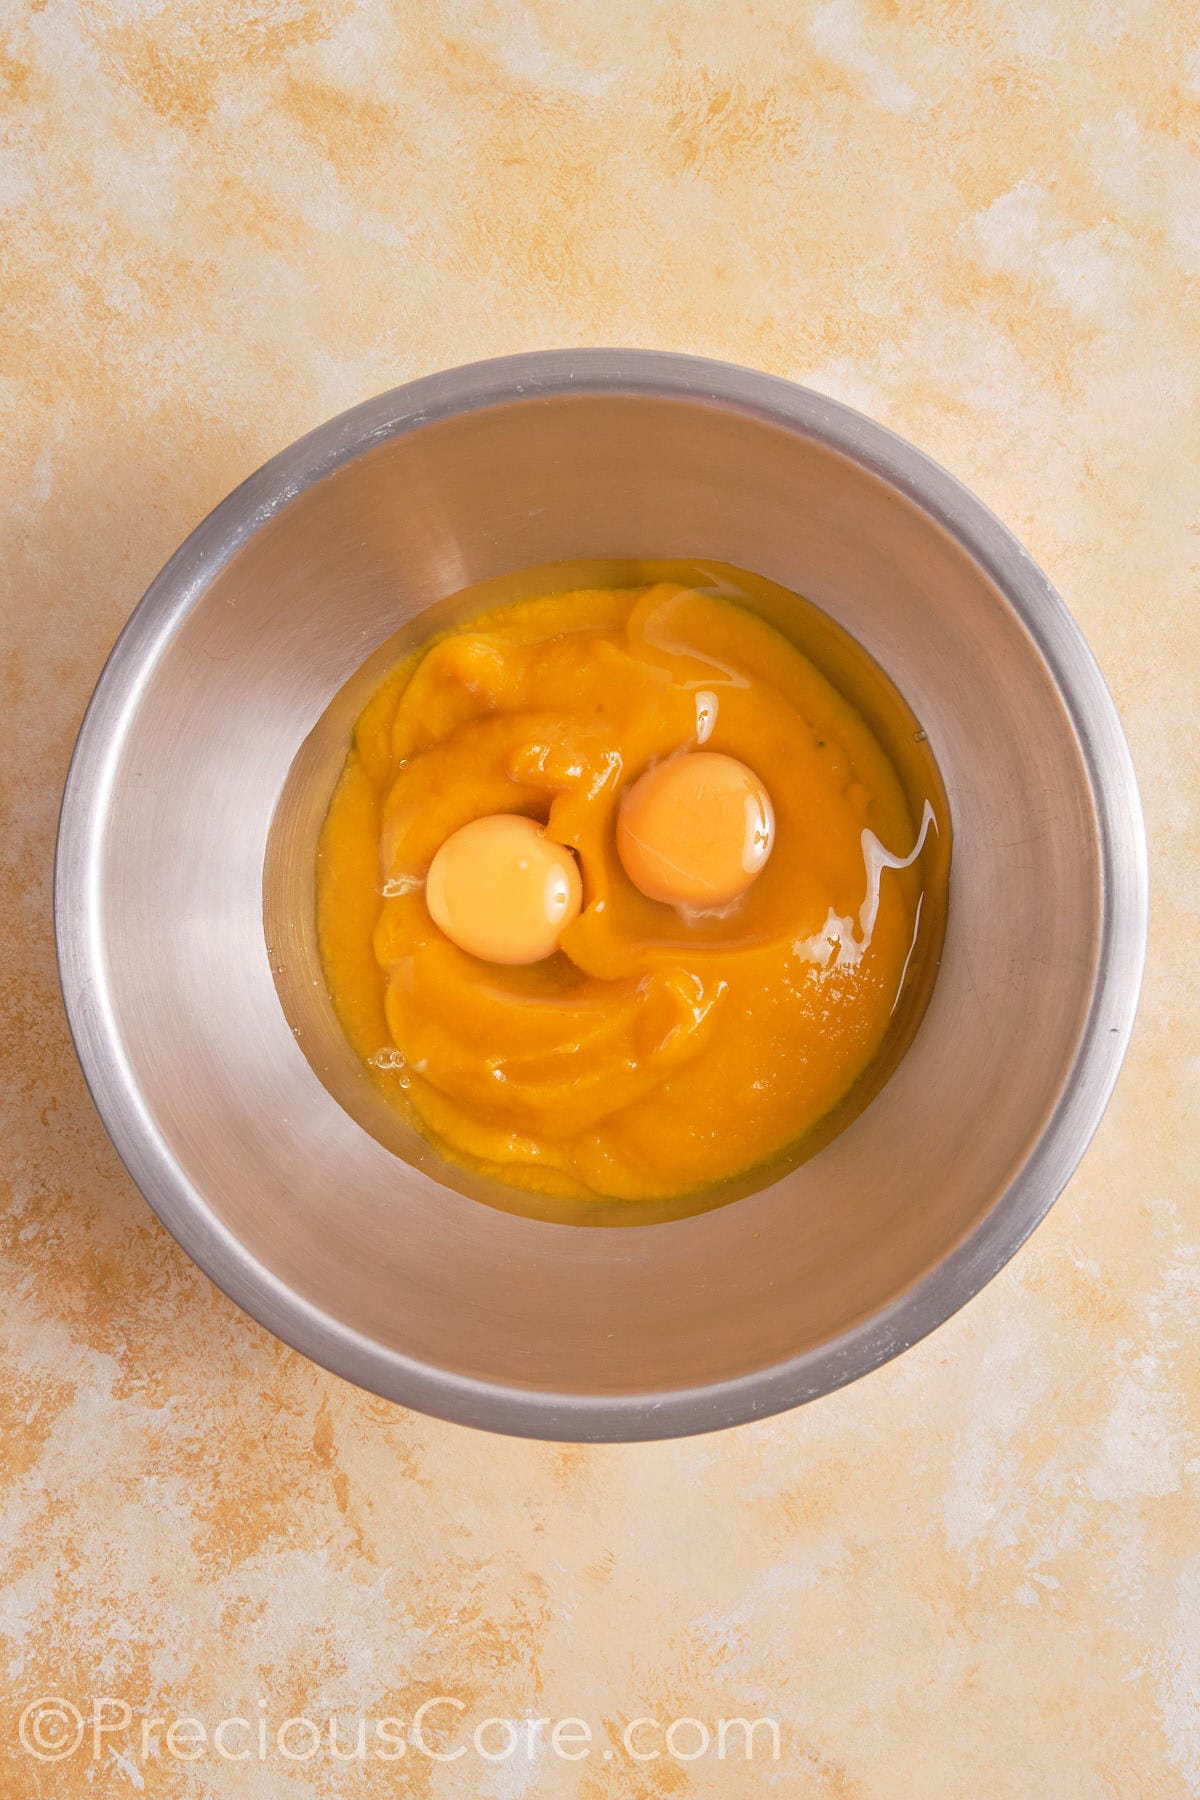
pixel 660 1049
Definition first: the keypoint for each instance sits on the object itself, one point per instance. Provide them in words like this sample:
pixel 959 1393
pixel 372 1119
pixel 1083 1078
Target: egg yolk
pixel 696 830
pixel 501 890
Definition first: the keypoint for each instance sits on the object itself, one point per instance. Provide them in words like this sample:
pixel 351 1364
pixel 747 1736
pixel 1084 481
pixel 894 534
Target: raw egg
pixel 502 890
pixel 696 830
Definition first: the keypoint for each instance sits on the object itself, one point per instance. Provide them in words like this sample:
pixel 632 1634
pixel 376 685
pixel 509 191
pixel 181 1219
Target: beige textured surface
pixel 975 1573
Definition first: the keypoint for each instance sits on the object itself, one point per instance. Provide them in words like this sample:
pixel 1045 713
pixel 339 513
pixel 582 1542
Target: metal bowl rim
pixel 1013 1214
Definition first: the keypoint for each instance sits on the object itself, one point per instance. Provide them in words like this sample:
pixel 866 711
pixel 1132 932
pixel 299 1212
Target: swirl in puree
pixel 692 953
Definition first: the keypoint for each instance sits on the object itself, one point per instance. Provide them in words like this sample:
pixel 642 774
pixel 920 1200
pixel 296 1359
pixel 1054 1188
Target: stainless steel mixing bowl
pixel 369 1263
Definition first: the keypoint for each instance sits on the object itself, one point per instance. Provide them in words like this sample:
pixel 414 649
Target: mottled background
pixel 976 1573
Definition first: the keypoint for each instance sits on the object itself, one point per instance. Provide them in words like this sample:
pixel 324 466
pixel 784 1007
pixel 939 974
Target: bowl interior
pixel 235 674
pixel 289 892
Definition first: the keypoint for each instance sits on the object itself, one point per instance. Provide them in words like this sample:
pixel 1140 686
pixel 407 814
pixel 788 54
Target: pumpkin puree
pixel 657 1052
